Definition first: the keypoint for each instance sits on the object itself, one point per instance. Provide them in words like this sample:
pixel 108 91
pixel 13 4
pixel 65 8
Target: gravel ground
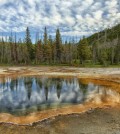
pixel 68 71
pixel 98 121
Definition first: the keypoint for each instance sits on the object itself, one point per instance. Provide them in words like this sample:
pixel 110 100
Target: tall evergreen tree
pixel 11 47
pixel 117 55
pixel 45 36
pixel 58 44
pixel 84 50
pixel 28 43
pixel 39 52
pixel 15 50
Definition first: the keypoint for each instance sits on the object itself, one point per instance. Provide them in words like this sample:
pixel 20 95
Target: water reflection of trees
pixel 83 87
pixel 28 84
pixel 58 88
pixel 48 85
pixel 25 92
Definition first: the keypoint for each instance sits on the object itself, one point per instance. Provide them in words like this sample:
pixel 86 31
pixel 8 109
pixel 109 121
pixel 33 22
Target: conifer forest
pixel 102 48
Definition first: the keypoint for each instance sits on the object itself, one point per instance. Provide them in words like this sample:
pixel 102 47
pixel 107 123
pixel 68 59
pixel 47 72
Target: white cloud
pixel 75 17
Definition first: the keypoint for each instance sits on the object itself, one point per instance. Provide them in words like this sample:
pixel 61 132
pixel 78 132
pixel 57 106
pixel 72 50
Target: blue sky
pixel 73 17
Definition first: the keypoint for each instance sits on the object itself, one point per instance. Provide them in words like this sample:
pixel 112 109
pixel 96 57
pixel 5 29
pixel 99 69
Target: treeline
pixel 44 51
pixel 101 48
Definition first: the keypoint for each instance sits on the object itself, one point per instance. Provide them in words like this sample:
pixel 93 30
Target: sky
pixel 73 17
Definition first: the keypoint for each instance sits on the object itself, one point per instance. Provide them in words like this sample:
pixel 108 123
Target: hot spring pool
pixel 23 95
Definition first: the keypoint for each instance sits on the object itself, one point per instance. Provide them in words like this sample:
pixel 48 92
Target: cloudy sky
pixel 73 17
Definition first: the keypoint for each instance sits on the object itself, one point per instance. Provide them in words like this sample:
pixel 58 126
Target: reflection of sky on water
pixel 25 92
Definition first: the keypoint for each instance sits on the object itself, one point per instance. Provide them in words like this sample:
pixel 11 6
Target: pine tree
pixel 58 44
pixel 117 55
pixel 28 43
pixel 15 50
pixel 2 49
pixel 11 48
pixel 45 46
pixel 83 50
pixel 45 36
pixel 103 57
pixel 39 52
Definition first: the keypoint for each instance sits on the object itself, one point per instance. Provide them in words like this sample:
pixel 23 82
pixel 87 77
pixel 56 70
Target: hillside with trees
pixel 106 46
pixel 102 48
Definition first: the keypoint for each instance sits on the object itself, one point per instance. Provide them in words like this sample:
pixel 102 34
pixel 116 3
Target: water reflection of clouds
pixel 22 93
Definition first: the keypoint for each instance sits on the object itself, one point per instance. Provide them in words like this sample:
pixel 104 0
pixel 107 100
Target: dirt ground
pixel 112 74
pixel 98 121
